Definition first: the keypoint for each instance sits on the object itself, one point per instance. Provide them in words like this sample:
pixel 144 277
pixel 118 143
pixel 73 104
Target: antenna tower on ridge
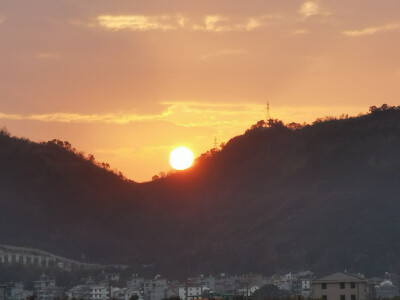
pixel 268 111
pixel 215 143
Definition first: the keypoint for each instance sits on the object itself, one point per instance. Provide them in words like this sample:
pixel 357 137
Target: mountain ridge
pixel 321 197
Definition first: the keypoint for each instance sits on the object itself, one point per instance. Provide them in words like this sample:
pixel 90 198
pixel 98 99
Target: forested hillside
pixel 323 197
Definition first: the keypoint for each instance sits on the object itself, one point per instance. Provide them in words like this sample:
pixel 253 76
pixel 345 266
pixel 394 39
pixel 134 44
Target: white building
pixel 192 292
pixel 386 289
pixel 306 288
pixel 99 292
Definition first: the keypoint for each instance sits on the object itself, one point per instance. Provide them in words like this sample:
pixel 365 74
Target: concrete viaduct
pixel 35 257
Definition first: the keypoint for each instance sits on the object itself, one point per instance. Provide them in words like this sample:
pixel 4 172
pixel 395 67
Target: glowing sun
pixel 181 158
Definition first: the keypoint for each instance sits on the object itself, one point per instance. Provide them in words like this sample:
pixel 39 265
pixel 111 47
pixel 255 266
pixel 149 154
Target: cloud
pixel 48 55
pixel 210 23
pixel 222 52
pixel 140 22
pixel 371 30
pixel 224 116
pixel 84 118
pixel 301 31
pixel 312 8
pixel 218 23
pixel 189 114
pixel 125 152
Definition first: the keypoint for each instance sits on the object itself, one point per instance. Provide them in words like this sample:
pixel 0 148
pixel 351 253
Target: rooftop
pixel 340 277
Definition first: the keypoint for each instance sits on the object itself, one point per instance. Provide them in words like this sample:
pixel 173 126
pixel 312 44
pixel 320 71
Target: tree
pixel 294 126
pixel 4 131
pixel 259 124
pixel 31 297
pixel 134 297
pixel 275 123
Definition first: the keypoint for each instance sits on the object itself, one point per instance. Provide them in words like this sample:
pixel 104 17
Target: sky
pixel 129 80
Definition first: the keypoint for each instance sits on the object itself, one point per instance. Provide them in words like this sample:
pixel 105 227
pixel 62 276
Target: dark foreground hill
pixel 324 197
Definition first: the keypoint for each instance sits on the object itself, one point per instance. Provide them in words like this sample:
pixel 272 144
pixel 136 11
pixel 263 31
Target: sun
pixel 181 158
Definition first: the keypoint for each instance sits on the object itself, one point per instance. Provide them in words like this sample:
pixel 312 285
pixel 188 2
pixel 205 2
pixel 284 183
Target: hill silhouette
pixel 323 197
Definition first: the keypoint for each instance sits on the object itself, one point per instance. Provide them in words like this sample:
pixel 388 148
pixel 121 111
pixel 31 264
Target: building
pixel 155 289
pixel 192 292
pixel 340 286
pixel 386 289
pixel 6 291
pixel 79 292
pixel 129 293
pixel 18 292
pixel 135 283
pixel 226 284
pixel 99 292
pixel 306 288
pixel 46 289
pixel 207 281
pixel 247 291
pixel 301 283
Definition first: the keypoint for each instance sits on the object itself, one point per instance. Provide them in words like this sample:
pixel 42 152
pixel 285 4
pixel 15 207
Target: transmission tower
pixel 268 111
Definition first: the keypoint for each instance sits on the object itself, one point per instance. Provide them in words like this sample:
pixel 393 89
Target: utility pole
pixel 109 286
pixel 186 289
pixel 247 289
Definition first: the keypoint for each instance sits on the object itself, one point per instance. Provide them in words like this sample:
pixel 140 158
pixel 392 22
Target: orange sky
pixel 129 80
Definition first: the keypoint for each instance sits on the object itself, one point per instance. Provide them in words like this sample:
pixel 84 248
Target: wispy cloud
pixel 84 118
pixel 140 22
pixel 126 152
pixel 48 55
pixel 191 114
pixel 217 23
pixel 180 113
pixel 312 8
pixel 371 30
pixel 301 31
pixel 210 23
pixel 222 52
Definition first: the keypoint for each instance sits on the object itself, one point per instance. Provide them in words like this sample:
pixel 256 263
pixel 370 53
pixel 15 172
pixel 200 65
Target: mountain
pixel 324 197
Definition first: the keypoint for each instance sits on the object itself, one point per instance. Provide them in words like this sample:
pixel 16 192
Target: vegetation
pixel 322 197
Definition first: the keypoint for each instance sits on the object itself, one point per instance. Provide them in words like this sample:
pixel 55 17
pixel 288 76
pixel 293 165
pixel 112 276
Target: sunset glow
pixel 125 82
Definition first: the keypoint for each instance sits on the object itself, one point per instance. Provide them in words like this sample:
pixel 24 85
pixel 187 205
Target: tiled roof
pixel 341 277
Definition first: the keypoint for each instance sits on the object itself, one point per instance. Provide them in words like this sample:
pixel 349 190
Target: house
pixel 386 289
pixel 192 291
pixel 79 292
pixel 99 292
pixel 155 289
pixel 247 291
pixel 135 283
pixel 132 292
pixel 46 289
pixel 340 286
